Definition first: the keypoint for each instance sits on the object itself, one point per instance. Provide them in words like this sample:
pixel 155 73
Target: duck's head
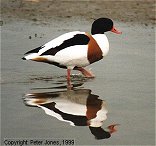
pixel 103 25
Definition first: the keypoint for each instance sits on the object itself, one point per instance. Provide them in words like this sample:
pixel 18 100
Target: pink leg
pixel 86 73
pixel 68 74
pixel 69 85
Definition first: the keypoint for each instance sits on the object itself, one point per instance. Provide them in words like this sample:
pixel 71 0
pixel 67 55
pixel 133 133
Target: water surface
pixel 122 92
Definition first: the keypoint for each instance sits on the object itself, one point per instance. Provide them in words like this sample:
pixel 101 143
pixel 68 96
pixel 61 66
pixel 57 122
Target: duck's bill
pixel 116 31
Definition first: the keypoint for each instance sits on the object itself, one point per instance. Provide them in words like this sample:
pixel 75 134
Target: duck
pixel 75 50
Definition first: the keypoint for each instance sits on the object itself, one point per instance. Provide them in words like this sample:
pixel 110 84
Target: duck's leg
pixel 69 85
pixel 68 74
pixel 85 72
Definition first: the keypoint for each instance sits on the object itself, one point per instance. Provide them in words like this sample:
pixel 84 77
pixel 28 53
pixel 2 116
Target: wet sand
pixel 124 80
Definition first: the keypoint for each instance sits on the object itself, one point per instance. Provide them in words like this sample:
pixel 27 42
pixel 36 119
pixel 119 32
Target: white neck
pixel 103 43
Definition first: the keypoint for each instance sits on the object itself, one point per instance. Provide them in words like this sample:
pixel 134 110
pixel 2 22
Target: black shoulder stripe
pixel 36 50
pixel 78 39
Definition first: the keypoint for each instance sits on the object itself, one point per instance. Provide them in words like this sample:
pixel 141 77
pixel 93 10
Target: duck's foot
pixel 112 128
pixel 85 72
pixel 69 85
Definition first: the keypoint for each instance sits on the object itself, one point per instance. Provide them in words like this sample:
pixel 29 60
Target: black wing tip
pixel 23 58
pixel 29 52
pixel 36 50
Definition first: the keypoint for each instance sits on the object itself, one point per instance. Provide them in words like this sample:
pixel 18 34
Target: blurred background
pixel 141 11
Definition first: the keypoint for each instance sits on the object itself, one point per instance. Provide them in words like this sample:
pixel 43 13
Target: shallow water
pixel 124 83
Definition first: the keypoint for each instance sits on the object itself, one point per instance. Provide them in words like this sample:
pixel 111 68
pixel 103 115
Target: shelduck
pixel 76 50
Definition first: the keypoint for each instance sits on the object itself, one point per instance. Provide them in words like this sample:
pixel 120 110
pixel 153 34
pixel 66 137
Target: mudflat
pixel 46 10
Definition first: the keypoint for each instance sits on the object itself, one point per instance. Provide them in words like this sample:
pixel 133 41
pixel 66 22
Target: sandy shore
pixel 46 10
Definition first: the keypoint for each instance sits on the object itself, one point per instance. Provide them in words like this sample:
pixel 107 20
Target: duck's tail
pixel 30 56
pixel 23 58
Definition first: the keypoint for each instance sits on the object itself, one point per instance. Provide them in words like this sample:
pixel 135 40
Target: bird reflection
pixel 78 107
